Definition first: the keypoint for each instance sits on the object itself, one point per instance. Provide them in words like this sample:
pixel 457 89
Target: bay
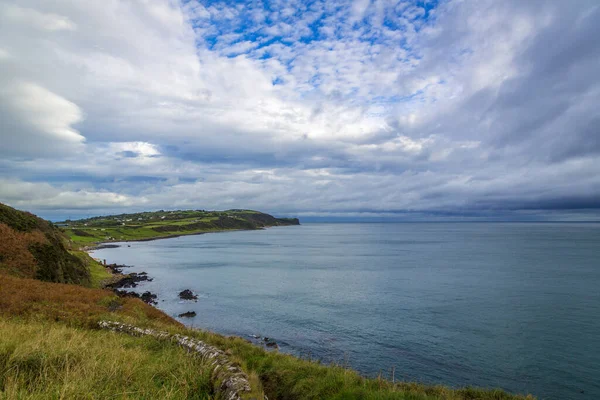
pixel 508 305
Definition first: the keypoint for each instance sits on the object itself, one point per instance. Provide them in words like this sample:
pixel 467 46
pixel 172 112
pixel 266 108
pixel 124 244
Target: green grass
pixel 53 361
pixel 286 377
pixel 132 233
pixel 98 272
pixel 159 224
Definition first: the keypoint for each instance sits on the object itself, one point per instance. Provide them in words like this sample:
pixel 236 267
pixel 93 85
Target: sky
pixel 410 110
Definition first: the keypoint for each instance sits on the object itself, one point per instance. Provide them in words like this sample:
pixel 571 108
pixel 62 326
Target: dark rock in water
pixel 106 246
pixel 189 314
pixel 129 281
pixel 187 294
pixel 270 343
pixel 146 297
pixel 116 268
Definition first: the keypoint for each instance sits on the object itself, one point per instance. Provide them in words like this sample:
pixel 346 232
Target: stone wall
pixel 231 383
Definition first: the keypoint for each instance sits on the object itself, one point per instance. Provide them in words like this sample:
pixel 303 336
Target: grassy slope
pixel 44 361
pixel 159 224
pixel 31 247
pixel 74 305
pixel 98 273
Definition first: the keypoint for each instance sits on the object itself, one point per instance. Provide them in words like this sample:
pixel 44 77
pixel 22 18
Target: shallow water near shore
pixel 509 305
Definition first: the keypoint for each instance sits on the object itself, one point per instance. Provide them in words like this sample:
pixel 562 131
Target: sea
pixel 514 306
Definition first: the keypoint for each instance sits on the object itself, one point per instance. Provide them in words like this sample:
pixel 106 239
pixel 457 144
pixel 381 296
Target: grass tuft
pixel 42 361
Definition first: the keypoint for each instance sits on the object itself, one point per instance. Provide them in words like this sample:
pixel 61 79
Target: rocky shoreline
pixel 121 280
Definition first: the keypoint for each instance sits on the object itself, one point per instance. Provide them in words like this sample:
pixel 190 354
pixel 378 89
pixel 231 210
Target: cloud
pixel 36 19
pixel 37 121
pixel 309 107
pixel 46 197
pixel 358 9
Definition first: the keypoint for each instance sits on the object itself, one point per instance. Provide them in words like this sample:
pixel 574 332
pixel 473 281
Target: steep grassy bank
pixel 74 305
pixel 31 247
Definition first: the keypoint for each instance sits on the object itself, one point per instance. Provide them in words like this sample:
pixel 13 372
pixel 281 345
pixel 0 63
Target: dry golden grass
pixel 16 259
pixel 74 305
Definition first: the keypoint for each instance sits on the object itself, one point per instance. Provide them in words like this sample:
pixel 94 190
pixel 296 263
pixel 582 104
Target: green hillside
pixel 160 224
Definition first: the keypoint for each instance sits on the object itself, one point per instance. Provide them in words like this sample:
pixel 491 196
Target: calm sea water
pixel 509 305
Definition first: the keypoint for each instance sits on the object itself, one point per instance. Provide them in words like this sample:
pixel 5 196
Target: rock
pixel 146 297
pixel 105 246
pixel 270 343
pixel 116 269
pixel 187 294
pixel 149 298
pixel 189 314
pixel 129 281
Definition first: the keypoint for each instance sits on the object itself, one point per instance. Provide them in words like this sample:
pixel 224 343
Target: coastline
pixel 156 225
pixel 285 348
pixel 97 246
pixel 39 311
pixel 121 283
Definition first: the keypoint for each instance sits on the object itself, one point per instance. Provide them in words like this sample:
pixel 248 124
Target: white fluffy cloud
pixel 322 107
pixel 42 121
pixel 46 197
pixel 35 19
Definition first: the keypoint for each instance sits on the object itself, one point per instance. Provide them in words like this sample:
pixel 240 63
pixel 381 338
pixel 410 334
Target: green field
pixel 159 224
